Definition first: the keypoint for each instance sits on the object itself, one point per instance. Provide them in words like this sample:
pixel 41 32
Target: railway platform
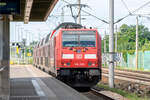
pixel 30 83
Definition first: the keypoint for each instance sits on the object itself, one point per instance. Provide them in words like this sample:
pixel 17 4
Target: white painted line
pixel 48 92
pixel 37 88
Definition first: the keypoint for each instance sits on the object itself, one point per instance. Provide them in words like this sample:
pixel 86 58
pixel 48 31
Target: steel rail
pixel 131 76
pixel 133 71
pixel 96 92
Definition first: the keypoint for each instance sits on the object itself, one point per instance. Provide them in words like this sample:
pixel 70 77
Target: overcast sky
pixel 99 8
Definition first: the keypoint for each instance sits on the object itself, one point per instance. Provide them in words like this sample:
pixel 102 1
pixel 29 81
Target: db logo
pixel 79 56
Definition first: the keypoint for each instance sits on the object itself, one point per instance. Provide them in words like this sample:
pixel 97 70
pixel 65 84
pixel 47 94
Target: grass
pixel 131 96
pixel 134 69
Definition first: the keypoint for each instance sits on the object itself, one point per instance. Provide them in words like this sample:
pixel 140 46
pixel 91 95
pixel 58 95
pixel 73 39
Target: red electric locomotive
pixel 71 53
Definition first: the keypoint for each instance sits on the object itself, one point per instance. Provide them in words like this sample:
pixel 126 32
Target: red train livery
pixel 71 53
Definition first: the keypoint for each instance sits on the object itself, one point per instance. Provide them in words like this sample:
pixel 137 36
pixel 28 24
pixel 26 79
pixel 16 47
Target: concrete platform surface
pixel 30 83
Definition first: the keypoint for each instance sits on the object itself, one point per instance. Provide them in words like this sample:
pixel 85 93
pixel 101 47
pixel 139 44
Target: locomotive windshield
pixel 79 39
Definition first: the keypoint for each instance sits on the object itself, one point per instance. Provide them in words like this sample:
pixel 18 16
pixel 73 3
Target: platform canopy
pixel 34 10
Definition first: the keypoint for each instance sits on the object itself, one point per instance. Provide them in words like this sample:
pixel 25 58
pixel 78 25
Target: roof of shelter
pixel 36 10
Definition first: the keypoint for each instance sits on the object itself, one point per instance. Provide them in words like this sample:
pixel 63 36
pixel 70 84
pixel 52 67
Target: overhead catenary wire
pixel 133 12
pixel 130 12
pixel 126 6
pixel 89 13
pixel 140 15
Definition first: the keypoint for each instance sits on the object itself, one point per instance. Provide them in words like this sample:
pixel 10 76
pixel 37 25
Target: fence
pixel 19 58
pixel 143 60
pixel 129 61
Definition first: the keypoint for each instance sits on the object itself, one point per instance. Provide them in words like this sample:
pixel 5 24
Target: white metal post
pixel 116 37
pixel 62 15
pixel 105 48
pixel 137 22
pixel 111 44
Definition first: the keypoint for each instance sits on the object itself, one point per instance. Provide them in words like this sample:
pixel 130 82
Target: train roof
pixel 37 45
pixel 47 38
pixel 69 25
pixel 65 25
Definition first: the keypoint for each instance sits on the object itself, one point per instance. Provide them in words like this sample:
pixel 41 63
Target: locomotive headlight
pixel 68 56
pixel 66 64
pixel 74 49
pixel 90 56
pixel 83 50
pixel 91 64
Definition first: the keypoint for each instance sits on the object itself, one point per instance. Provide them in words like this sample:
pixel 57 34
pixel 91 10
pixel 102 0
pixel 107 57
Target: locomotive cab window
pixel 79 39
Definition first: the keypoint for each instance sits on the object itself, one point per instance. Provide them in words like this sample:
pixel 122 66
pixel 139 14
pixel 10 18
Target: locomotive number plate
pixel 79 64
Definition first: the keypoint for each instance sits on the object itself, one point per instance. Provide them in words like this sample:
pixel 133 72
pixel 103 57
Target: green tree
pixel 127 38
pixel 146 46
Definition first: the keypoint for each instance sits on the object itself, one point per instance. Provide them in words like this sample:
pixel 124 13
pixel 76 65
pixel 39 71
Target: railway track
pixel 134 76
pixel 133 71
pixel 94 94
